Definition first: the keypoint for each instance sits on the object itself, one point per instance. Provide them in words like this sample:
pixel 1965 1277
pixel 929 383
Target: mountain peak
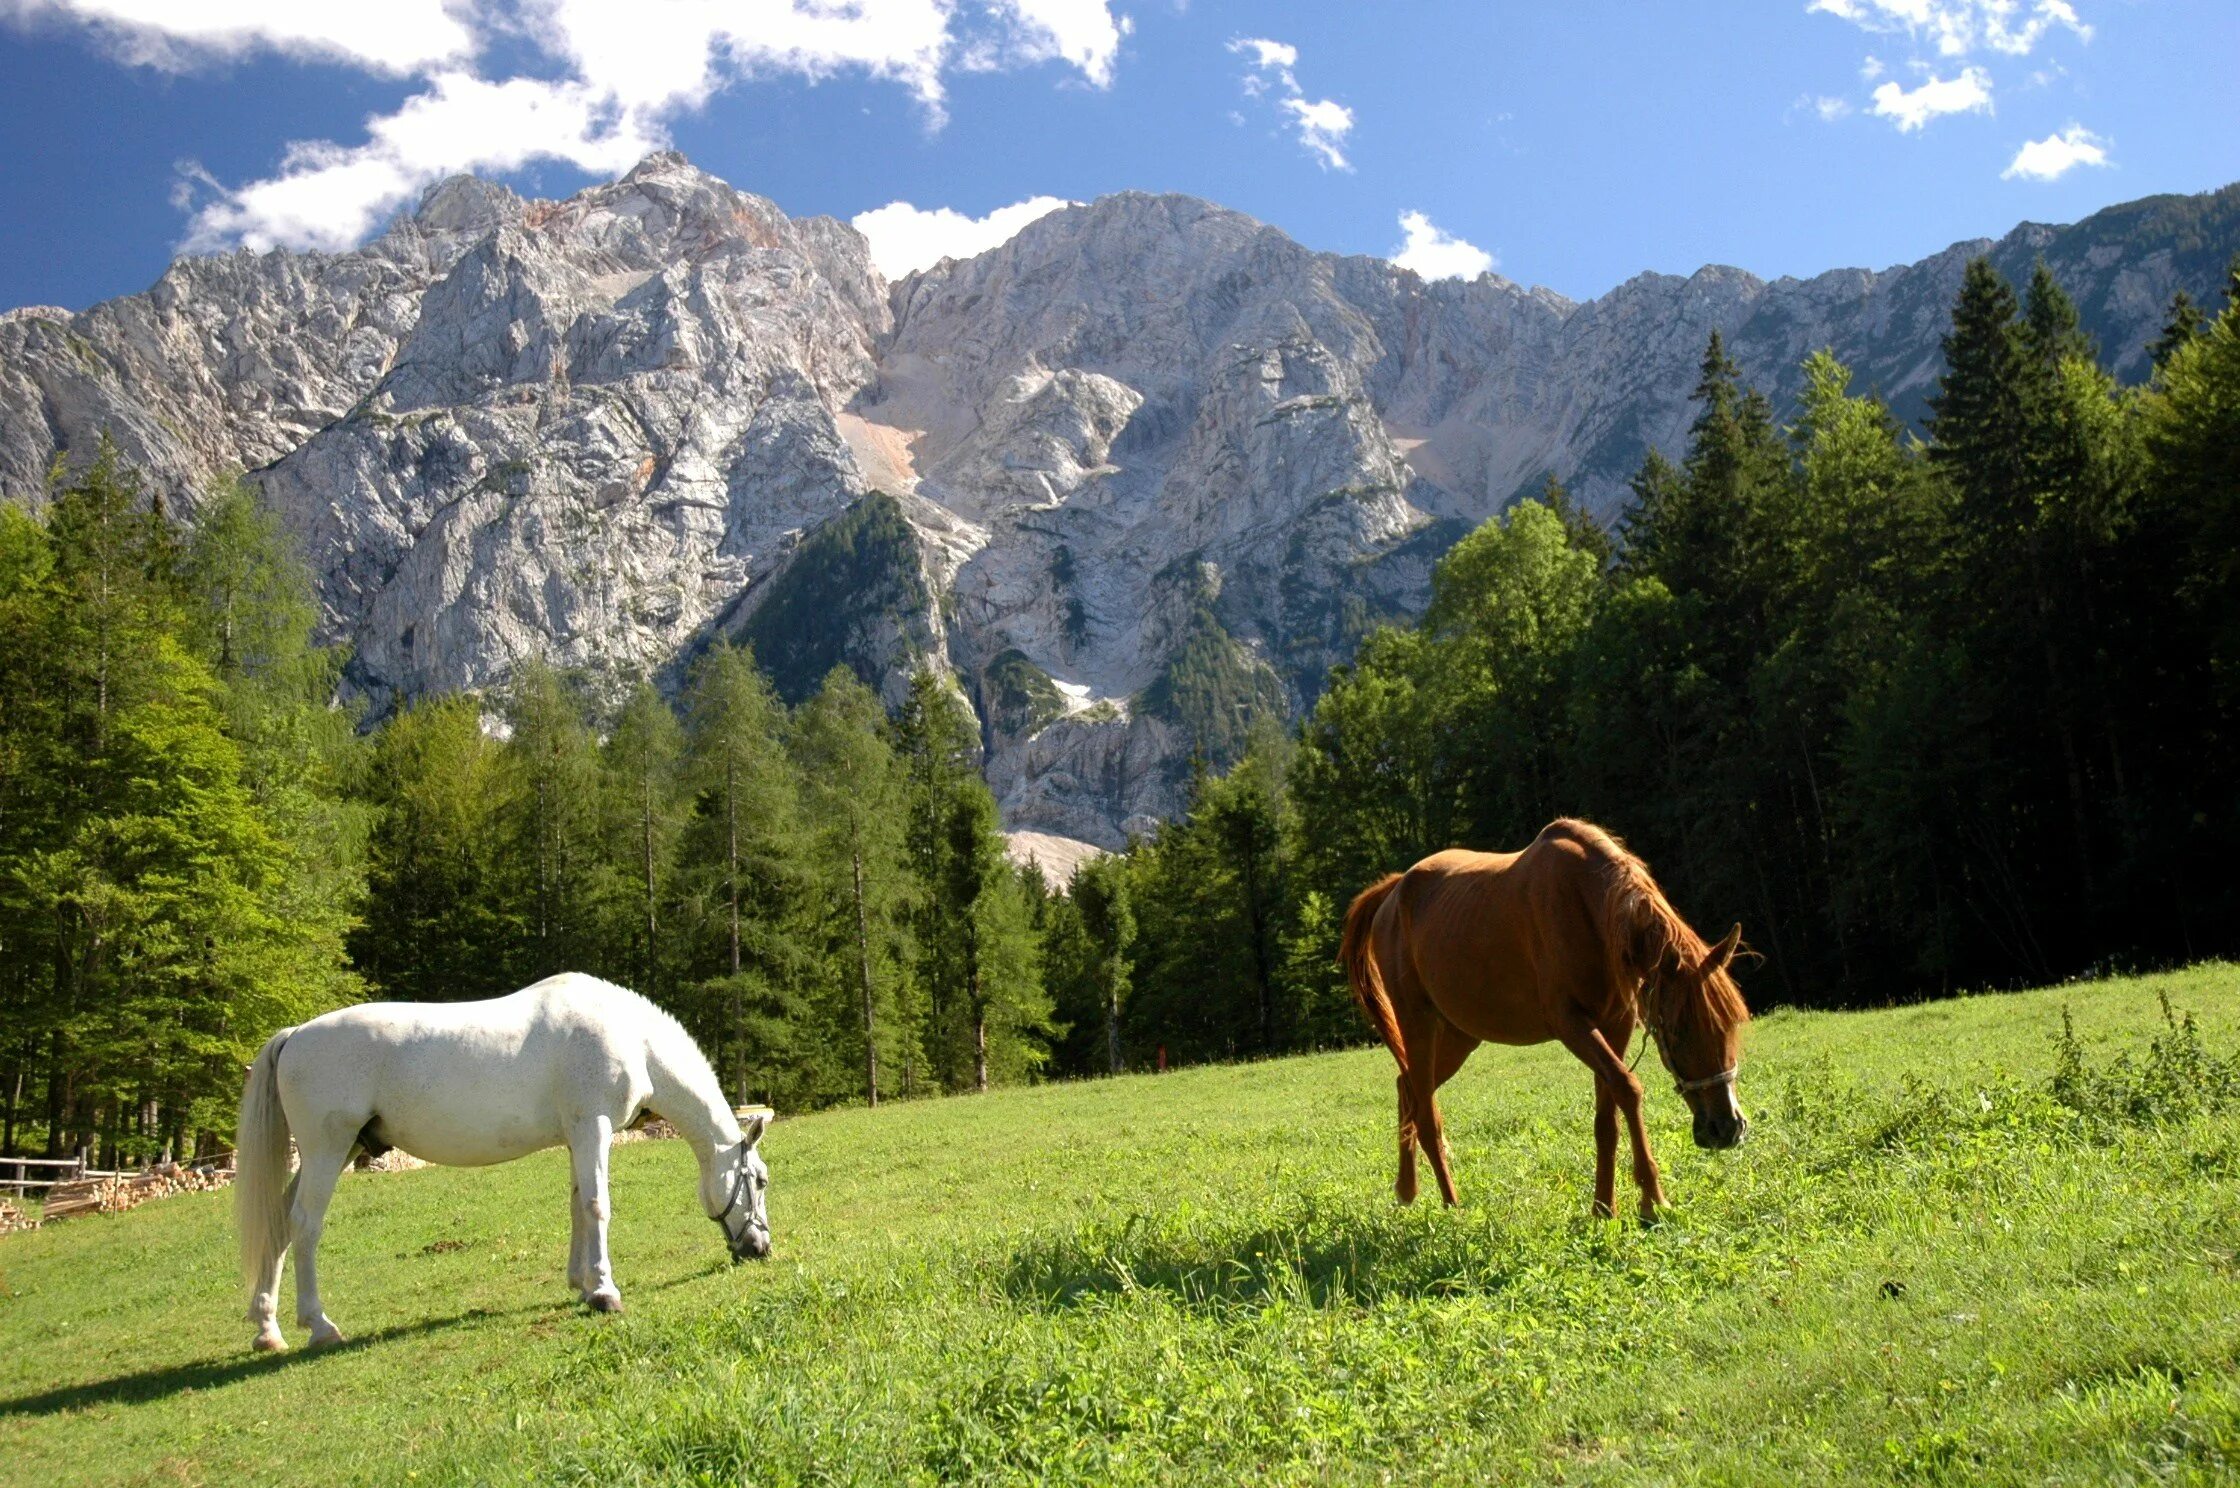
pixel 466 204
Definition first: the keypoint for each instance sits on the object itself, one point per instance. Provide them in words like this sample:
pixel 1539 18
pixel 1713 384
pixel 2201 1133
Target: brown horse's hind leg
pixel 1404 1186
pixel 1429 1033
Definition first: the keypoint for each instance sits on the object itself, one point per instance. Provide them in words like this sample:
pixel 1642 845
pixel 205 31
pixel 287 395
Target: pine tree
pixel 747 843
pixel 647 805
pixel 2051 332
pixel 552 826
pixel 442 924
pixel 1979 409
pixel 2182 325
pixel 1108 920
pixel 854 793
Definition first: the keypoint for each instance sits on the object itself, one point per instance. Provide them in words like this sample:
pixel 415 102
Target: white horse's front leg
pixel 307 1218
pixel 578 1271
pixel 587 1151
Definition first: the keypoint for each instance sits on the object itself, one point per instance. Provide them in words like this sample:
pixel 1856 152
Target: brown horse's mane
pixel 1645 938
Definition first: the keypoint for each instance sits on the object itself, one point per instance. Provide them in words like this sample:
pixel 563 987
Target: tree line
pixel 1924 714
pixel 199 844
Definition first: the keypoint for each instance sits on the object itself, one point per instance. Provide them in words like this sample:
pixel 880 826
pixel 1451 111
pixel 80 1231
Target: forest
pixel 1923 712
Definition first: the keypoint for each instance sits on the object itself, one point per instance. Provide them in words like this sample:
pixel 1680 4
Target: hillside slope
pixel 601 429
pixel 1921 1268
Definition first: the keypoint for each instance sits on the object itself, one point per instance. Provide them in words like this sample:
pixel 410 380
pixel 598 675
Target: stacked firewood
pixel 395 1160
pixel 13 1218
pixel 130 1190
pixel 651 1128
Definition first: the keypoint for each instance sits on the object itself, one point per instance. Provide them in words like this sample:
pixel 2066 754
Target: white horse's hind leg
pixel 314 1188
pixel 587 1154
pixel 264 1302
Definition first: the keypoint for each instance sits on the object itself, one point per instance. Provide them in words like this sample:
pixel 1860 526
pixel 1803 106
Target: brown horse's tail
pixel 1360 962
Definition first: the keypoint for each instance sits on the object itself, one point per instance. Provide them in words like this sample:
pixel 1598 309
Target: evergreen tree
pixel 2051 332
pixel 2183 324
pixel 748 853
pixel 551 819
pixel 854 793
pixel 1108 922
pixel 440 924
pixel 647 805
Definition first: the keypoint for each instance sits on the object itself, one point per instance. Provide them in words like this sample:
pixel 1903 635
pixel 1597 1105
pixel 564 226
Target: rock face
pixel 1134 478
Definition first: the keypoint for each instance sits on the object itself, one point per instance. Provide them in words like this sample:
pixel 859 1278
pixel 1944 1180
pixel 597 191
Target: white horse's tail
pixel 260 1166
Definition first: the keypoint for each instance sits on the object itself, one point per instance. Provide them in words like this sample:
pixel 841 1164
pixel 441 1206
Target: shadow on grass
pixel 204 1374
pixel 1314 1257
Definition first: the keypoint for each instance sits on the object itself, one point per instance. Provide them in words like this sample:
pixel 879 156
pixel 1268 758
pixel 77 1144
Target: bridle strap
pixel 1724 1077
pixel 738 1187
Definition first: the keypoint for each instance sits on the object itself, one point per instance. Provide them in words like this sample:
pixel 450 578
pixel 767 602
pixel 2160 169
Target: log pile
pixel 395 1160
pixel 651 1128
pixel 114 1195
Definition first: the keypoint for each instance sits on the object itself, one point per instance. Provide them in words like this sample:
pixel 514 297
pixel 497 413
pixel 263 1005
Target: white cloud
pixel 1266 53
pixel 326 196
pixel 395 37
pixel 1436 254
pixel 1871 69
pixel 1083 33
pixel 1320 124
pixel 1970 92
pixel 1323 127
pixel 608 77
pixel 1959 28
pixel 1828 109
pixel 904 237
pixel 2056 155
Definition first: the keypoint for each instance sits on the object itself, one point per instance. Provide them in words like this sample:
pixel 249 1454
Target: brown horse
pixel 1571 940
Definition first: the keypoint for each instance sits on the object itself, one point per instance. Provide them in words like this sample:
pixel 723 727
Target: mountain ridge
pixel 1150 450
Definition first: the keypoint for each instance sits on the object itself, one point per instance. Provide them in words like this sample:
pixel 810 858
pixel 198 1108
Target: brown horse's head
pixel 1697 1021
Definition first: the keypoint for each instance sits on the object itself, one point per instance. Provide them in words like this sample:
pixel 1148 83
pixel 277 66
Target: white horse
pixel 571 1059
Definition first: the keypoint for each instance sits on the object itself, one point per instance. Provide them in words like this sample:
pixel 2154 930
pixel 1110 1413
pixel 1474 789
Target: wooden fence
pixel 52 1171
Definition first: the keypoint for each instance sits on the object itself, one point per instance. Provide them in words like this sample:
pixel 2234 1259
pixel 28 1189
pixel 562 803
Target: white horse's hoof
pixel 326 1336
pixel 605 1301
pixel 270 1343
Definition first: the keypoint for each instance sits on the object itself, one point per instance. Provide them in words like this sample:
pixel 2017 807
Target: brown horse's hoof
pixel 606 1302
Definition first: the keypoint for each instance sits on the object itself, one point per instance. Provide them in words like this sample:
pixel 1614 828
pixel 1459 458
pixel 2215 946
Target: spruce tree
pixel 551 815
pixel 747 850
pixel 1979 409
pixel 441 923
pixel 854 794
pixel 2183 323
pixel 647 803
pixel 1108 919
pixel 2051 332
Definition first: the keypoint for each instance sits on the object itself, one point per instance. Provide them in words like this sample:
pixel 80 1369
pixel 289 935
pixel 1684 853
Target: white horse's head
pixel 742 1184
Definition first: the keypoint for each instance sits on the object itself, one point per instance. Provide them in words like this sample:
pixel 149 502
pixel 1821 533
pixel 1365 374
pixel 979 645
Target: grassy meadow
pixel 1946 1254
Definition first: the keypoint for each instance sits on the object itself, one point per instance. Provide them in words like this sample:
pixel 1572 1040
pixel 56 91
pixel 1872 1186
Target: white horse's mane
pixel 677 1048
pixel 678 1053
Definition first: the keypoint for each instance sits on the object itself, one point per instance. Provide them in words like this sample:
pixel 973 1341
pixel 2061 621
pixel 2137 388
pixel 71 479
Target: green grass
pixel 1924 1267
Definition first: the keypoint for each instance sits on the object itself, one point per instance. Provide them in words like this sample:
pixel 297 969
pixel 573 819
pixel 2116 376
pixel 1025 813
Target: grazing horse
pixel 570 1060
pixel 1570 940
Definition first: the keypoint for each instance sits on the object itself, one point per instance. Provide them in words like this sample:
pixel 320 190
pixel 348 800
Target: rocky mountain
pixel 1135 477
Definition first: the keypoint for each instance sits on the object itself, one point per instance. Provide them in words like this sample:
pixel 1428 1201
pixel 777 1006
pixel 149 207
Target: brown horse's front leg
pixel 1605 1149
pixel 1404 1187
pixel 1587 1044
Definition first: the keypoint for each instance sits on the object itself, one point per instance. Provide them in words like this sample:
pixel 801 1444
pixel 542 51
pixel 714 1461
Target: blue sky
pixel 1571 145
